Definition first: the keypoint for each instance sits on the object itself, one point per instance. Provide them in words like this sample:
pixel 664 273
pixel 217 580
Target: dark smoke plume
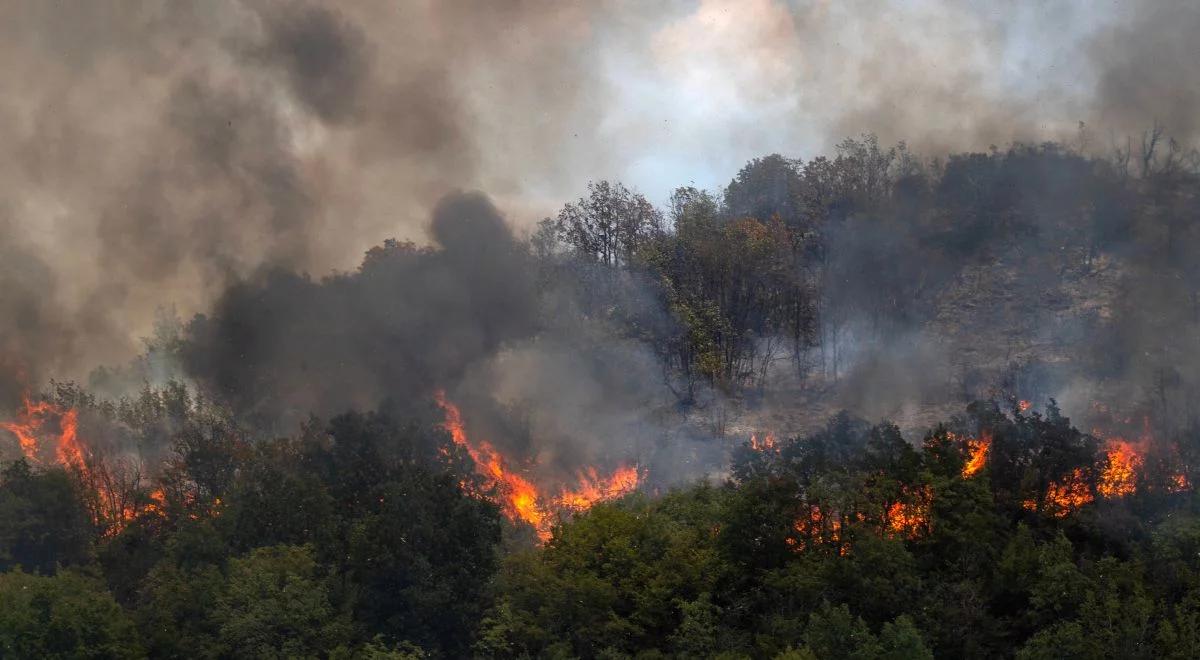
pixel 408 320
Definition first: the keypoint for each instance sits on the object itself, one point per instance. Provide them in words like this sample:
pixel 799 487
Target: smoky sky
pixel 160 153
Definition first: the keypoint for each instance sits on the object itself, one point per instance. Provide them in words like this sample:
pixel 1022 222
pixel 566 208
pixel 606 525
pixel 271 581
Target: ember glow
pixel 910 518
pixel 519 498
pixel 1179 483
pixel 815 526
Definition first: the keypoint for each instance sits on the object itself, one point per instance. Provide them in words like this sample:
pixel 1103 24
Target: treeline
pixel 794 263
pixel 1026 268
pixel 358 538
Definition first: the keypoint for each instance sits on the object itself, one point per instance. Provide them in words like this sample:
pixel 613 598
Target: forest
pixel 643 432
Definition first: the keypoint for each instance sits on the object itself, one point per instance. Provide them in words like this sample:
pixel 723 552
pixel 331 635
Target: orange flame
pixel 1179 483
pixel 978 453
pixel 28 428
pixel 29 425
pixel 815 527
pixel 1125 460
pixel 69 453
pixel 158 501
pixel 1119 477
pixel 108 499
pixel 1064 497
pixel 594 488
pixel 910 519
pixel 767 443
pixel 520 496
pixel 520 499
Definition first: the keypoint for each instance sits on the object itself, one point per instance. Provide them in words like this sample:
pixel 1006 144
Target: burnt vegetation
pixel 288 479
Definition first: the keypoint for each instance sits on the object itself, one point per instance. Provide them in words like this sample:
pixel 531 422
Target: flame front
pixel 29 425
pixel 1179 483
pixel 595 488
pixel 108 504
pixel 520 499
pixel 1119 477
pixel 977 450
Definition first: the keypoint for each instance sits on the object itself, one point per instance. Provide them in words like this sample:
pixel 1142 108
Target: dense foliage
pixel 357 539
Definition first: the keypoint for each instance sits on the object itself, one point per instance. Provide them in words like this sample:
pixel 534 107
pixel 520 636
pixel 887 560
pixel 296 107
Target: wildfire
pixel 594 488
pixel 767 443
pixel 158 501
pixel 69 451
pixel 1064 497
pixel 28 428
pixel 1120 471
pixel 1179 483
pixel 520 499
pixel 520 496
pixel 110 500
pixel 909 519
pixel 29 425
pixel 977 449
pixel 817 526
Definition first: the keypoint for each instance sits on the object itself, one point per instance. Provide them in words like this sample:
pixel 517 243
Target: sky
pixel 709 86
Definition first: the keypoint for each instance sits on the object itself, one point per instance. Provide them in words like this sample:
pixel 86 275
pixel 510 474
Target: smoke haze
pixel 162 153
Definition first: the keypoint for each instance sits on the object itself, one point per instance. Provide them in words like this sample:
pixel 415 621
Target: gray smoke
pixel 161 153
pixel 281 346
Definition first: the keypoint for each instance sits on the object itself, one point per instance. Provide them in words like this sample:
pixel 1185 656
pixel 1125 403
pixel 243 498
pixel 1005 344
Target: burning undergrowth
pixel 1029 462
pixel 521 499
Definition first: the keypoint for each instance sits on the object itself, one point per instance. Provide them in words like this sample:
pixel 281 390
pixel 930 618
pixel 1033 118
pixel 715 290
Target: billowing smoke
pixel 409 319
pixel 225 157
pixel 160 152
pixel 464 317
